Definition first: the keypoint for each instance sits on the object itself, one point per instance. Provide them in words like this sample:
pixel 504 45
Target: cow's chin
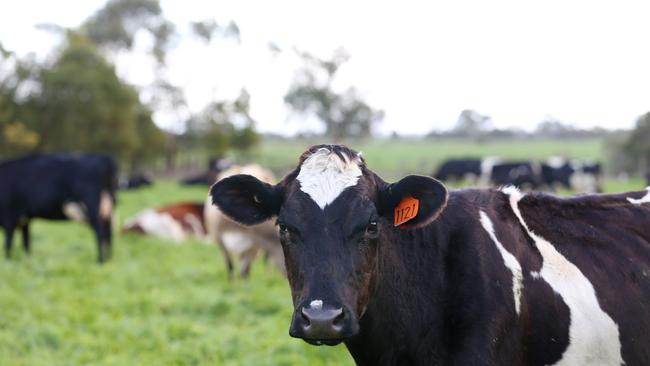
pixel 324 342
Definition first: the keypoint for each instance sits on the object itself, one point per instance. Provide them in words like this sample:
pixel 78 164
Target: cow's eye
pixel 372 228
pixel 283 228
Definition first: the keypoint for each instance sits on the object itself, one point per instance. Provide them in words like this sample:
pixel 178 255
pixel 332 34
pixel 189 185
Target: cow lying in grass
pixel 177 221
pixel 409 274
pixel 236 240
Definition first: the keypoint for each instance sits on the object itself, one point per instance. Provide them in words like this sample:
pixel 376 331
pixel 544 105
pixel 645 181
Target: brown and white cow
pixel 470 277
pixel 177 221
pixel 242 241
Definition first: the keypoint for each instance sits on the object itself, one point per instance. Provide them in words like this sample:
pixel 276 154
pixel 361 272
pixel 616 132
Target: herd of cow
pixel 554 173
pixel 404 273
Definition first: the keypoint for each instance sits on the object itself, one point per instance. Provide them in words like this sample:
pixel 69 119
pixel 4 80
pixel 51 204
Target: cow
pixel 647 179
pixel 587 177
pixel 579 176
pixel 58 186
pixel 409 273
pixel 177 221
pixel 557 172
pixel 475 170
pixel 135 181
pixel 459 169
pixel 241 241
pixel 519 174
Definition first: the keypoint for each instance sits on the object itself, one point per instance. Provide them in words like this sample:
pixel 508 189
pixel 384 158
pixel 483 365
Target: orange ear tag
pixel 406 210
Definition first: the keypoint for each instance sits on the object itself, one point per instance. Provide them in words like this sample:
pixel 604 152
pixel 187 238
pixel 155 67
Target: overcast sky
pixel 583 62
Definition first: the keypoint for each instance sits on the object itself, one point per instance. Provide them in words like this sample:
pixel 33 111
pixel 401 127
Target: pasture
pixel 159 303
pixel 155 303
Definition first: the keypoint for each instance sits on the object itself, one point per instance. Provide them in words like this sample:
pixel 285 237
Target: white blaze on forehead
pixel 316 304
pixel 644 199
pixel 324 175
pixel 593 335
pixel 508 259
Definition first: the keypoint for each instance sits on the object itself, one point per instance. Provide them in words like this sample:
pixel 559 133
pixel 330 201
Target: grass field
pixel 155 303
pixel 159 303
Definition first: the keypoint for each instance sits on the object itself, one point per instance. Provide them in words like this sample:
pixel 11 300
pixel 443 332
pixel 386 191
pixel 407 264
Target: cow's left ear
pixel 246 199
pixel 431 196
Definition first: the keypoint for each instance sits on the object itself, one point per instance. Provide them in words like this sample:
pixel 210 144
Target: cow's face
pixel 334 216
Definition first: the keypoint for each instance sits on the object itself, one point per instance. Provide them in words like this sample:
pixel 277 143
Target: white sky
pixel 582 62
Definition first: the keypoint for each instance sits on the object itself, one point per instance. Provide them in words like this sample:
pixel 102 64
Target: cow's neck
pixel 407 305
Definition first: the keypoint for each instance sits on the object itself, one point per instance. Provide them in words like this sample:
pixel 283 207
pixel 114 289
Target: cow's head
pixel 333 214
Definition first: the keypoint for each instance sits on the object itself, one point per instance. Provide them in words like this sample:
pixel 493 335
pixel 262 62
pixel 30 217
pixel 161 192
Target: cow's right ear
pixel 246 199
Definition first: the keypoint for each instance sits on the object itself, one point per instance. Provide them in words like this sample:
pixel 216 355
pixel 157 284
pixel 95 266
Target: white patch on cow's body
pixel 593 335
pixel 487 163
pixel 324 175
pixel 508 259
pixel 316 304
pixel 105 205
pixel 583 182
pixel 159 224
pixel 642 200
pixel 237 241
pixel 75 211
pixel 556 162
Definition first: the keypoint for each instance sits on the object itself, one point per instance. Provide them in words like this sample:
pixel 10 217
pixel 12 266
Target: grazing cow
pixel 519 174
pixel 587 177
pixel 459 169
pixel 176 221
pixel 583 177
pixel 647 179
pixel 409 274
pixel 241 241
pixel 477 170
pixel 58 187
pixel 134 181
pixel 557 171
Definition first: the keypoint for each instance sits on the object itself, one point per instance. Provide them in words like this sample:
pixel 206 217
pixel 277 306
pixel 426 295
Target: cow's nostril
pixel 305 317
pixel 338 320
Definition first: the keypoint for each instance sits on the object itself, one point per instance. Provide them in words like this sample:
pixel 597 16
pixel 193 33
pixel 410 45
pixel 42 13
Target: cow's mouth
pixel 326 342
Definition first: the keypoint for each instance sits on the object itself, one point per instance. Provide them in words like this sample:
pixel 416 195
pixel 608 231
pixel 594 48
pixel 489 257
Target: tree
pixel 344 114
pixel 82 105
pixel 16 136
pixel 472 124
pixel 637 146
pixel 223 125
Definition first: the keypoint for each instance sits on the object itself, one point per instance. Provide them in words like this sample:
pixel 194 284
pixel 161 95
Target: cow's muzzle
pixel 319 325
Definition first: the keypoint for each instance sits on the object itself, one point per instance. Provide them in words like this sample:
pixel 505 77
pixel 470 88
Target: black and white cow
pixel 475 170
pixel 519 174
pixel 58 187
pixel 475 277
pixel 459 169
pixel 579 176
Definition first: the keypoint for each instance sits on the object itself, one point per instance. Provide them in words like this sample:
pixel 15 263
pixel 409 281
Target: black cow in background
pixel 135 181
pixel 518 174
pixel 647 179
pixel 58 187
pixel 458 169
pixel 557 172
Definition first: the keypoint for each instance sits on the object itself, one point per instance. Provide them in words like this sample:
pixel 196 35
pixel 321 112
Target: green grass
pixel 155 303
